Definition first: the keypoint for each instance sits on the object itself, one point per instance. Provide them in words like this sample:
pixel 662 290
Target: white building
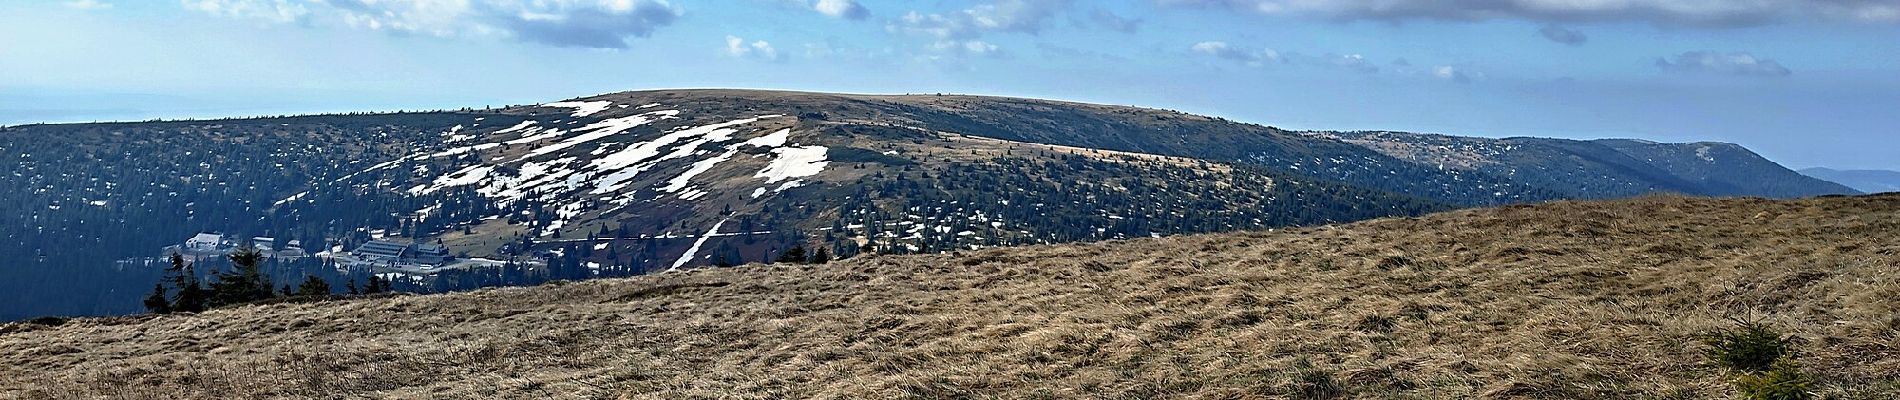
pixel 205 241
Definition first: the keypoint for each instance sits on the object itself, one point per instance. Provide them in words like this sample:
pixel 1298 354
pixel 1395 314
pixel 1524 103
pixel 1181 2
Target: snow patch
pixel 775 139
pixel 700 167
pixel 520 126
pixel 582 108
pixel 688 257
pixel 602 129
pixel 788 185
pixel 292 198
pixel 794 162
pixel 629 162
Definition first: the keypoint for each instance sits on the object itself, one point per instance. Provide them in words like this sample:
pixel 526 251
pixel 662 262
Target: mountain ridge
pixel 1603 168
pixel 634 182
pixel 1866 180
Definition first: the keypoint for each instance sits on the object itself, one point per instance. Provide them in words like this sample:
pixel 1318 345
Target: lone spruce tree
pixel 245 282
pixel 376 285
pixel 156 302
pixel 313 287
pixel 794 255
pixel 191 295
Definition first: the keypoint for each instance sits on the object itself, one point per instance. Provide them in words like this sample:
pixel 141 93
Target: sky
pixel 1804 82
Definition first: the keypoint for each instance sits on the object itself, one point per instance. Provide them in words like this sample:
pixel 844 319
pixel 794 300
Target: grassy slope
pixel 1565 300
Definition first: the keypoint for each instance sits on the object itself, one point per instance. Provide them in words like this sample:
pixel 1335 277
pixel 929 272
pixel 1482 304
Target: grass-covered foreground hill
pixel 1606 300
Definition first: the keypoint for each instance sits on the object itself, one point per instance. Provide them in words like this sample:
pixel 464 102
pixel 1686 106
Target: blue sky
pixel 1805 82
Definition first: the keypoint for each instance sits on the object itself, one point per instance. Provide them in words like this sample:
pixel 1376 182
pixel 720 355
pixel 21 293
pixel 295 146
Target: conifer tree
pixel 245 282
pixel 821 256
pixel 191 296
pixel 156 302
pixel 794 255
pixel 312 286
pixel 376 285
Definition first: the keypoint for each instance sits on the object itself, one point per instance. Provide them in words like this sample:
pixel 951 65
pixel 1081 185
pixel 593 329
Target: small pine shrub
pixel 1750 347
pixel 47 321
pixel 1783 381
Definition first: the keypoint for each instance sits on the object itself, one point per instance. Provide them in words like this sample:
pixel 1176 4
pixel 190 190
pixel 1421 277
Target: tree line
pixel 182 291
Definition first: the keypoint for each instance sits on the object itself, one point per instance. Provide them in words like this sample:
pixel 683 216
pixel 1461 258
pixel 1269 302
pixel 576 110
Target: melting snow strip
pixel 688 257
pixel 582 108
pixel 629 162
pixel 602 129
pixel 520 126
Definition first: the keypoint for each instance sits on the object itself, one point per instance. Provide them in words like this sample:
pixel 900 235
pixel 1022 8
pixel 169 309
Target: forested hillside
pixel 637 182
pixel 1608 168
pixel 84 196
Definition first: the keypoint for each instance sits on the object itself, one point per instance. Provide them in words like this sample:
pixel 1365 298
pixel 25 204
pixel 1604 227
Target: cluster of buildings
pixel 391 253
pixel 375 253
pixel 210 244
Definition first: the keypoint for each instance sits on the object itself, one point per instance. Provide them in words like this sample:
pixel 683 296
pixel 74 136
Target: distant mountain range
pixel 1606 168
pixel 636 182
pixel 1870 181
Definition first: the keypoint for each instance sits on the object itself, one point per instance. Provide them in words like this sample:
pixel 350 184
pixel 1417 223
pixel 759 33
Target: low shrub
pixel 1783 381
pixel 1762 361
pixel 1750 347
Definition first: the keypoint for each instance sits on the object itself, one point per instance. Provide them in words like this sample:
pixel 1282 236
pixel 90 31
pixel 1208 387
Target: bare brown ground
pixel 1567 300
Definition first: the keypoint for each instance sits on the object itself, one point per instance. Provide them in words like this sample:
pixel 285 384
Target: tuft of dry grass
pixel 1586 300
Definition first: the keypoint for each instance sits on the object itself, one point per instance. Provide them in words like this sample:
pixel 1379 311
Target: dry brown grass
pixel 1569 300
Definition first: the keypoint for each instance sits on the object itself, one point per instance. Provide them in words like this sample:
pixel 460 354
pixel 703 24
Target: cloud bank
pixel 1710 62
pixel 1664 12
pixel 1224 51
pixel 756 49
pixel 1019 16
pixel 605 24
pixel 847 9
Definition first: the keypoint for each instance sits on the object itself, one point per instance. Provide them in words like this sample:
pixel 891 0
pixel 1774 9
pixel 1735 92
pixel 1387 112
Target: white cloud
pixel 847 9
pixel 88 5
pixel 277 11
pixel 975 48
pixel 565 23
pixel 961 32
pixel 759 49
pixel 1250 57
pixel 1350 62
pixel 1358 63
pixel 1020 16
pixel 1451 74
pixel 1738 63
pixel 1667 12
